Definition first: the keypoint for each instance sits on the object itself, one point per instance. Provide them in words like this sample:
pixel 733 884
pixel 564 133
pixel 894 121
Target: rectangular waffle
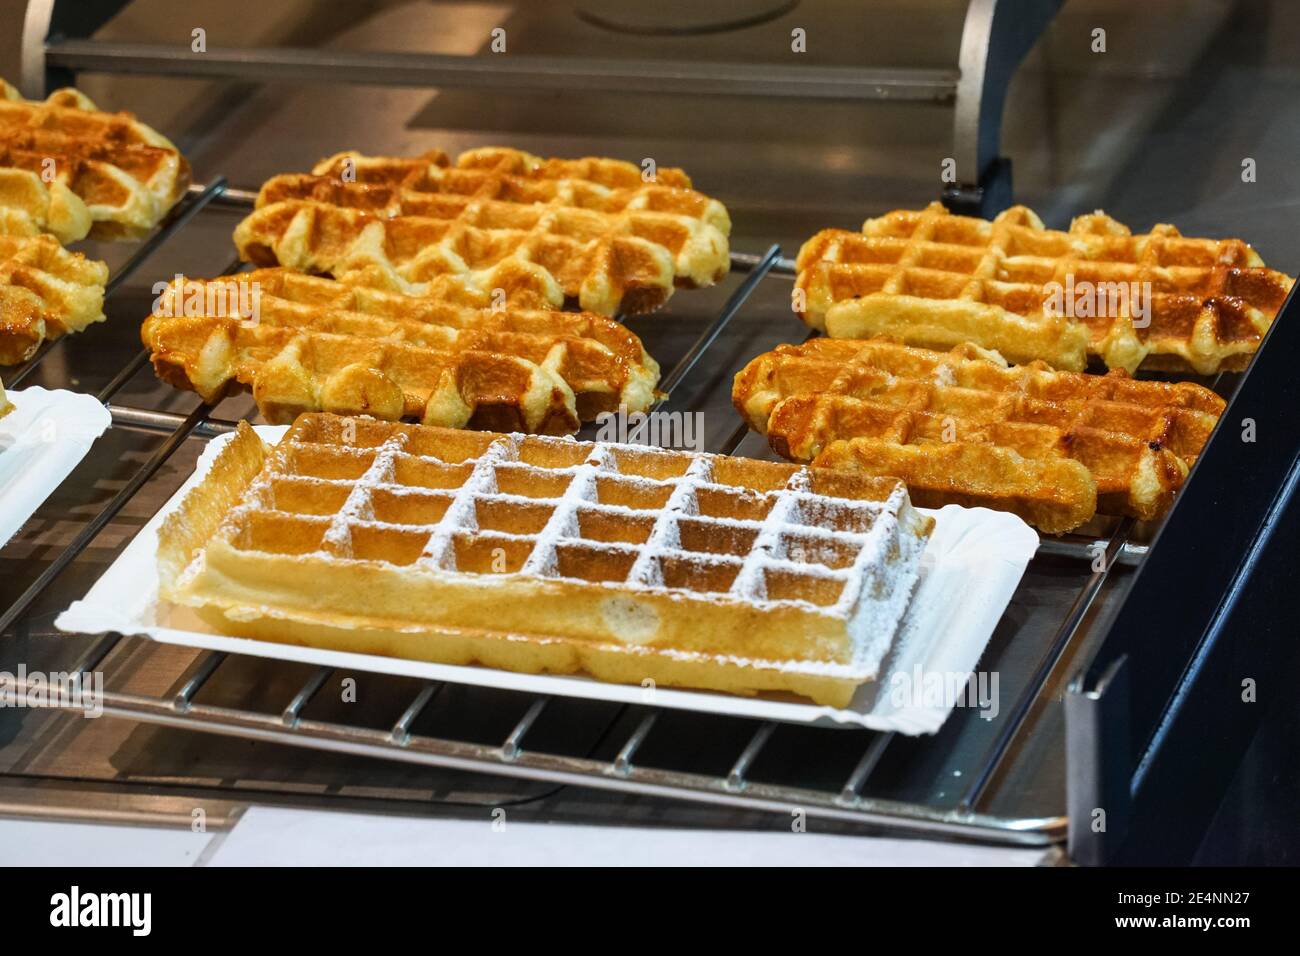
pixel 936 280
pixel 316 344
pixel 73 170
pixel 532 554
pixel 541 230
pixel 964 427
pixel 45 291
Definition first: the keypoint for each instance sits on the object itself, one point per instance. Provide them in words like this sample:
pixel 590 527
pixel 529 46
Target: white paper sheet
pixel 25 842
pixel 41 441
pixel 275 836
pixel 970 570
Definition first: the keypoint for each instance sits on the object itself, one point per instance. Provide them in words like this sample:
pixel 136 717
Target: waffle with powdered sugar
pixel 535 554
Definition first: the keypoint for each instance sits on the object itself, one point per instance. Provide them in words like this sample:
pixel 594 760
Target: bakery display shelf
pixel 964 814
pixel 996 35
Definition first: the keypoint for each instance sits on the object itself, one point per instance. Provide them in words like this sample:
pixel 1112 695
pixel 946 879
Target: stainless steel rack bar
pixel 105 515
pixel 996 36
pixel 1130 554
pixel 744 261
pixel 849 793
pixel 914 819
pixel 207 666
pixel 627 753
pixel 514 744
pixel 164 423
pixel 95 654
pixel 740 769
pixel 194 202
pixel 184 212
pixel 293 710
pixel 180 216
pixel 733 788
pixel 512 72
pixel 1033 691
pixel 714 328
pixel 401 732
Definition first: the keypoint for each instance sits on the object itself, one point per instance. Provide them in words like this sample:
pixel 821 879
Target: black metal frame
pixel 996 37
pixel 1160 704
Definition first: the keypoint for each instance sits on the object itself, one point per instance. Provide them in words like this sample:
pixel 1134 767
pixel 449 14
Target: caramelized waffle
pixel 964 427
pixel 537 555
pixel 541 230
pixel 45 291
pixel 933 279
pixel 72 170
pixel 306 343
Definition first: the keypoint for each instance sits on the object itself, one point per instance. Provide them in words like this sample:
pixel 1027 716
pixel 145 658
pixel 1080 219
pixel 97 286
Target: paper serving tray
pixel 970 569
pixel 41 441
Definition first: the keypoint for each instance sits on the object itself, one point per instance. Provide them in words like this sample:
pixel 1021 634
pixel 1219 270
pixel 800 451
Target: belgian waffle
pixel 45 291
pixel 964 427
pixel 936 280
pixel 548 555
pixel 72 170
pixel 541 230
pixel 306 343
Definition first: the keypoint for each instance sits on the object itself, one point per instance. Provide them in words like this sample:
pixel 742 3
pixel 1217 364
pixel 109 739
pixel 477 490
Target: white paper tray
pixel 970 569
pixel 41 441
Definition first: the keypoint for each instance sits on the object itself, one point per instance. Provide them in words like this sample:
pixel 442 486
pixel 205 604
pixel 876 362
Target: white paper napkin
pixel 41 441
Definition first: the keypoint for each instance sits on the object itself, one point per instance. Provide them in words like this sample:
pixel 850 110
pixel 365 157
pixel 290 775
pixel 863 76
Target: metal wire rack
pixel 512 756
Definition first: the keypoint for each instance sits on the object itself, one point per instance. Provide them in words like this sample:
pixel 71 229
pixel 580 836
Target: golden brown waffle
pixel 45 291
pixel 547 555
pixel 305 343
pixel 540 230
pixel 964 427
pixel 73 170
pixel 936 280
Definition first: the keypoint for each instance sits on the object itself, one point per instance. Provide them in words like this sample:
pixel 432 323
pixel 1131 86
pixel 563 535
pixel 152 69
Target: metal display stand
pixel 995 38
pixel 1161 676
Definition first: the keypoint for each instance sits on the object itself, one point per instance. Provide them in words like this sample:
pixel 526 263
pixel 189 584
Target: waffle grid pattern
pixel 45 291
pixel 113 176
pixel 1017 430
pixel 934 279
pixel 544 555
pixel 317 344
pixel 544 231
pixel 603 514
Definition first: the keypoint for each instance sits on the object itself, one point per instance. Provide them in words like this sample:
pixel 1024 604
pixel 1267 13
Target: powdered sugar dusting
pixel 338 538
pixel 694 527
